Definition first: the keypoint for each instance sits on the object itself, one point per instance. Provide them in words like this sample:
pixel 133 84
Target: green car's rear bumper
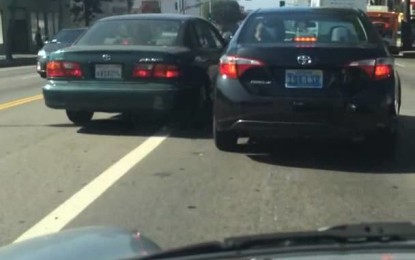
pixel 118 96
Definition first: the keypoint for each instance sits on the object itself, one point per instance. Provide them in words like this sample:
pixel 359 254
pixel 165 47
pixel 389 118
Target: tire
pixel 384 142
pixel 225 140
pixel 79 118
pixel 203 110
pixel 42 74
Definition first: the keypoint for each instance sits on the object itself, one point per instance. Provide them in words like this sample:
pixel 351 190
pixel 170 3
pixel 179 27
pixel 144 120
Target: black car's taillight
pixel 376 69
pixel 234 67
pixel 63 69
pixel 160 71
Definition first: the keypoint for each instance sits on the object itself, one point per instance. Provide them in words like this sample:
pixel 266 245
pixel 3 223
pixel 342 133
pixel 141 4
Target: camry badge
pixel 106 57
pixel 304 60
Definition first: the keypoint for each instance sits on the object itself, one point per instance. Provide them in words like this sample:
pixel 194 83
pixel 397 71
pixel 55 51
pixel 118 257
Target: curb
pixel 406 54
pixel 18 62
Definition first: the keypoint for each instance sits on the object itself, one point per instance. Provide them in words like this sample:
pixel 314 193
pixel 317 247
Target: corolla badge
pixel 304 60
pixel 106 57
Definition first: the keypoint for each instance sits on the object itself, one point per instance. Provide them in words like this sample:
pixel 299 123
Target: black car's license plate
pixel 303 79
pixel 108 71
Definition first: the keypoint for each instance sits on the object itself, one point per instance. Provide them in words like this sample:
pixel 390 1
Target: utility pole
pixel 183 6
pixel 87 12
pixel 210 11
pixel 406 27
pixel 60 17
pixel 9 31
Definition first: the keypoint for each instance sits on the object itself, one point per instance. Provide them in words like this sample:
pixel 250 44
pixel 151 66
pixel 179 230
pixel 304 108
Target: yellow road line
pixel 20 102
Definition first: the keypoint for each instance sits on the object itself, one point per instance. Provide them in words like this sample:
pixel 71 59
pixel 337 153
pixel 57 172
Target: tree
pixel 85 10
pixel 226 13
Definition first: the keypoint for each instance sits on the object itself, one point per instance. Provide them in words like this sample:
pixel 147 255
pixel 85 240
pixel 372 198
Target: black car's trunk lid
pixel 306 71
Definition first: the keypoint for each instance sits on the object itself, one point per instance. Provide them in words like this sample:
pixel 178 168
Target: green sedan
pixel 159 64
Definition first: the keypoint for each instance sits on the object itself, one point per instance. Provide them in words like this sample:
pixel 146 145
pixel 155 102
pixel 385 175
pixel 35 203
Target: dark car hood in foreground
pixel 116 243
pixel 82 243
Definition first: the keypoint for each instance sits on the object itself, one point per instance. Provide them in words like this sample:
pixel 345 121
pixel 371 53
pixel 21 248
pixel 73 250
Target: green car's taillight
pixel 63 69
pixel 160 71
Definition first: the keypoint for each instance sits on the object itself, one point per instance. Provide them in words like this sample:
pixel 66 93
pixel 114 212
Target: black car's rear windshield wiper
pixel 346 234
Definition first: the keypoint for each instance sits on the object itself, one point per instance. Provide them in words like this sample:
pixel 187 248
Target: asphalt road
pixel 174 186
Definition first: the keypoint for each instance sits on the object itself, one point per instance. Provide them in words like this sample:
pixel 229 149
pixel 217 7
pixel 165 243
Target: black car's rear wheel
pixel 225 140
pixel 79 117
pixel 384 141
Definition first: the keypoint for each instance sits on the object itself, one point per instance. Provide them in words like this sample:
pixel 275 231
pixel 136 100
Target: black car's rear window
pixel 68 36
pixel 133 32
pixel 308 26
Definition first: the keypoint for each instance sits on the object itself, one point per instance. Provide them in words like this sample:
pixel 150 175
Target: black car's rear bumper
pixel 278 129
pixel 118 97
pixel 238 111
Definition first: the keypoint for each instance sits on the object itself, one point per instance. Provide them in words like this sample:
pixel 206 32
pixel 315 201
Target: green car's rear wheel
pixel 79 117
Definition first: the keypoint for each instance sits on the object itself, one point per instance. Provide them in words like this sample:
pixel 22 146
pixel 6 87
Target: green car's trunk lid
pixel 118 62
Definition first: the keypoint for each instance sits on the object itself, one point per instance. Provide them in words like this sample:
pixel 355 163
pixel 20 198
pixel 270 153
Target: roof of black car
pixel 178 17
pixel 333 10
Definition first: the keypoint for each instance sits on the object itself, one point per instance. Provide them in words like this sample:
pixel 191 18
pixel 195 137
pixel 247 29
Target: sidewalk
pixel 407 54
pixel 18 60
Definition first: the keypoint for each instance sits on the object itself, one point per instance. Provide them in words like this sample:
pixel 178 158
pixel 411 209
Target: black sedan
pixel 145 64
pixel 62 39
pixel 306 72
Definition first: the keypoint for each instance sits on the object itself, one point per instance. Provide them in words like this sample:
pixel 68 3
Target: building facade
pixel 108 8
pixel 30 17
pixel 192 7
pixel 46 17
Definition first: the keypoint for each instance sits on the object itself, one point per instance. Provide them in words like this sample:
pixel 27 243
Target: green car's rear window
pixel 132 32
pixel 68 36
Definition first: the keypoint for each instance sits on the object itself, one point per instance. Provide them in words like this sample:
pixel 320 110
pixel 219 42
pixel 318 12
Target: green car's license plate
pixel 108 71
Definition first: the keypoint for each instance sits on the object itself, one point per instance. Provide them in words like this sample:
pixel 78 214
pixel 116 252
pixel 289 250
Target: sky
pixel 255 4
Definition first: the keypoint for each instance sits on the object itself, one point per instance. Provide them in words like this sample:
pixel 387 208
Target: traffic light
pixel 176 6
pixel 282 3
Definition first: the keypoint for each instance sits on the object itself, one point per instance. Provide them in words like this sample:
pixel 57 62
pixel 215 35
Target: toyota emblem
pixel 304 60
pixel 106 57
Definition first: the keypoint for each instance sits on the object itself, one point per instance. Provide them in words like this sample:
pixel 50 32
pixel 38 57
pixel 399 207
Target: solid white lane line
pixel 71 208
pixel 18 68
pixel 31 76
pixel 400 65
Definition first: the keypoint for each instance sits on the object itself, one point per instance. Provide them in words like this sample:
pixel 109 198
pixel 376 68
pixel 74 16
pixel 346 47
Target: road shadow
pixel 340 156
pixel 118 125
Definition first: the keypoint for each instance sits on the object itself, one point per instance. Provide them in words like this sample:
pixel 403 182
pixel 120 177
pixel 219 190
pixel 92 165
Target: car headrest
pixel 340 34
